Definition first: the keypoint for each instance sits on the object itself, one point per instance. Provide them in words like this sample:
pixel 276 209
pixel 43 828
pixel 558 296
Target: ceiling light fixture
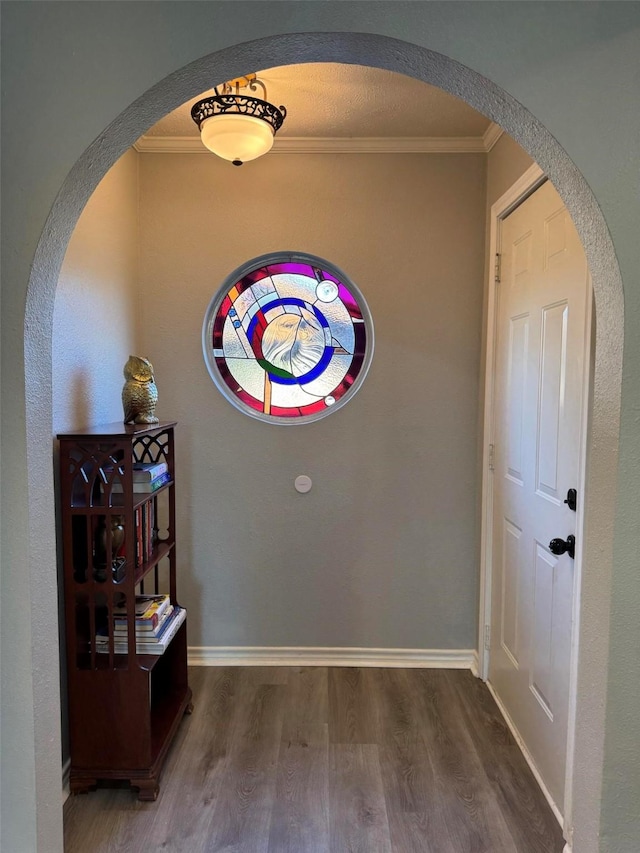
pixel 238 127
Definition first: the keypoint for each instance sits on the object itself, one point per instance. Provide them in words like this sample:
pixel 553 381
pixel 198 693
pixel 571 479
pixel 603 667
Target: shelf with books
pixel 134 554
pixel 113 637
pixel 161 550
pixel 117 491
pixel 148 612
pixel 145 487
pixel 118 500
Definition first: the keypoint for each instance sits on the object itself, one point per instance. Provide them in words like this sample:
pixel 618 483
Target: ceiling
pixel 330 100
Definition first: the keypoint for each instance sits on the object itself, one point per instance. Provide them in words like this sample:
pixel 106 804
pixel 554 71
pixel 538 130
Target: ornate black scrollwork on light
pixel 241 105
pixel 227 99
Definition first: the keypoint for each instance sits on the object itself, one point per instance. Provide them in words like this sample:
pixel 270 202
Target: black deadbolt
pixel 559 546
pixel 572 499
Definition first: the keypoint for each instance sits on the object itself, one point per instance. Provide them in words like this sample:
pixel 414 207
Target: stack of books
pixel 146 533
pixel 147 477
pixel 157 621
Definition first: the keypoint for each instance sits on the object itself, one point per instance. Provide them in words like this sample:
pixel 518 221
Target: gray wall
pixel 96 307
pixel 94 325
pixel 573 66
pixel 382 551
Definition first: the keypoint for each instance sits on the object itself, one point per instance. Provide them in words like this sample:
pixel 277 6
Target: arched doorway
pixel 377 51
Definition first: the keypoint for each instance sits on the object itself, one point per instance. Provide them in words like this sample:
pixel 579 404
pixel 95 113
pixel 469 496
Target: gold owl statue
pixel 139 394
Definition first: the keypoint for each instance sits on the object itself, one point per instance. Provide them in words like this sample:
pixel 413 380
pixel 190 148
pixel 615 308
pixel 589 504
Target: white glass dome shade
pixel 237 137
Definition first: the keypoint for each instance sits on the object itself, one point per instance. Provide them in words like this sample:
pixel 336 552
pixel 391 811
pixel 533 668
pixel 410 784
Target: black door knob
pixel 559 546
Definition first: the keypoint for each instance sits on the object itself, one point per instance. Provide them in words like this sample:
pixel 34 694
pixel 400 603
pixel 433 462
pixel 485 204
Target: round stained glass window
pixel 288 338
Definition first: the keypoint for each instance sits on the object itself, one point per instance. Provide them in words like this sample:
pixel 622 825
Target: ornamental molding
pixel 338 145
pixel 491 135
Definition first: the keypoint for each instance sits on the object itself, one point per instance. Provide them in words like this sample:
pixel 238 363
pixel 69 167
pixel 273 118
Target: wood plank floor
pixel 330 760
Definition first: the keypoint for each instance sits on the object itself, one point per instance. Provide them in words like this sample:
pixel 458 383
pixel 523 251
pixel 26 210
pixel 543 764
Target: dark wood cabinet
pixel 118 542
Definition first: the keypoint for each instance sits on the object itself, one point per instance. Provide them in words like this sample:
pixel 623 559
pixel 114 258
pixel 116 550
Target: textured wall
pixel 506 162
pixel 94 321
pixel 381 552
pixel 545 71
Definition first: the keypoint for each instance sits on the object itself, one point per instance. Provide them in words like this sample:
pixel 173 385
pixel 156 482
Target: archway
pixel 438 70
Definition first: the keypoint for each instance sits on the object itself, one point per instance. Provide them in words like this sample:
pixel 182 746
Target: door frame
pixel 533 178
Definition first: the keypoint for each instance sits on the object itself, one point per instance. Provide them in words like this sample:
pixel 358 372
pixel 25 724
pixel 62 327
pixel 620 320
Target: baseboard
pixel 327 656
pixel 529 759
pixel 65 780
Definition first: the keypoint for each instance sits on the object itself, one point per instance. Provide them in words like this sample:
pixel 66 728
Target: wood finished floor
pixel 330 760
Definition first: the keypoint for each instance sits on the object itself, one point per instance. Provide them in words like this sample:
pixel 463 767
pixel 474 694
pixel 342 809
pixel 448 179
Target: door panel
pixel 539 379
pixel 552 389
pixel 518 348
pixel 542 640
pixel 510 604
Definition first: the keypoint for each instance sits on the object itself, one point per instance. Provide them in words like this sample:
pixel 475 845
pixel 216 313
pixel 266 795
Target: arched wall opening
pixel 437 70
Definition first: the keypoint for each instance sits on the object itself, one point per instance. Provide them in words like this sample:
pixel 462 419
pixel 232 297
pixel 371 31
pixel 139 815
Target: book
pixel 102 635
pixel 143 472
pixel 145 532
pixel 147 486
pixel 146 647
pixel 149 532
pixel 138 532
pixel 148 629
pixel 148 609
pixel 152 532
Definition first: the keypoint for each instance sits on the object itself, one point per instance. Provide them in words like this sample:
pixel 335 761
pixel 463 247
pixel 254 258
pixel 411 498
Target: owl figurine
pixel 139 394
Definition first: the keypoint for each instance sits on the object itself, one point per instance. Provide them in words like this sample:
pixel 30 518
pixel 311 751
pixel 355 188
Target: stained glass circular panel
pixel 288 338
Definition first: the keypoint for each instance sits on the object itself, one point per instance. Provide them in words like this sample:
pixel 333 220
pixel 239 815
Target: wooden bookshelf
pixel 124 709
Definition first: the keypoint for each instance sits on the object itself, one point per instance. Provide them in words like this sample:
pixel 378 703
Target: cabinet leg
pixel 148 789
pixel 189 709
pixel 82 784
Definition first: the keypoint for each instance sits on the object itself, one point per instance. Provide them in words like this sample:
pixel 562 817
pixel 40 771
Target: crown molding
pixel 491 135
pixel 338 145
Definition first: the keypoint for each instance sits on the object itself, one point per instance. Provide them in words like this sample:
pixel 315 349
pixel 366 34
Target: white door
pixel 541 358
